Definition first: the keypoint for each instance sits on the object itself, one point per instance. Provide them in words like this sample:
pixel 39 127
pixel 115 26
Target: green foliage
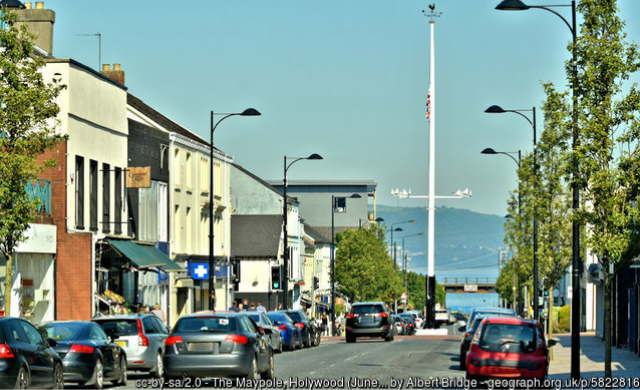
pixel 504 284
pixel 28 104
pixel 564 319
pixel 364 271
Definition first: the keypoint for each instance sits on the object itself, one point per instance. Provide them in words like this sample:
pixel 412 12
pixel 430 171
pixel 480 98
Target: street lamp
pixel 285 269
pixel 510 155
pixel 395 267
pixel 214 125
pixel 499 110
pixel 517 5
pixel 404 256
pixel 333 262
pixel 377 220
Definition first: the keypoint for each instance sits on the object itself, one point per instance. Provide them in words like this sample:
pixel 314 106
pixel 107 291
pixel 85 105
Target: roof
pixel 11 4
pixel 317 235
pixel 256 235
pixel 258 179
pixel 163 120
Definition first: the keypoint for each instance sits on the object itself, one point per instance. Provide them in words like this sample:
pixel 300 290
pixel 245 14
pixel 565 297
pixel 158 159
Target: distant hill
pixel 467 243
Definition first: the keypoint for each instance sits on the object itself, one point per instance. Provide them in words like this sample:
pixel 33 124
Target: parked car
pixel 89 356
pixel 400 325
pixel 310 332
pixel 291 335
pixel 419 319
pixel 142 337
pixel 264 322
pixel 23 351
pixel 369 319
pixel 457 317
pixel 410 322
pixel 218 344
pixel 467 337
pixel 487 311
pixel 508 347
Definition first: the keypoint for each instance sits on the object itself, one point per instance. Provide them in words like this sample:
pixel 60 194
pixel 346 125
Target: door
pixel 42 357
pixel 110 351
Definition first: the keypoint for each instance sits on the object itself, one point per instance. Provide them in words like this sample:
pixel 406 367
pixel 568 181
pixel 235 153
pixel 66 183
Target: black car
pixel 465 342
pixel 27 360
pixel 89 356
pixel 410 322
pixel 218 344
pixel 310 332
pixel 369 319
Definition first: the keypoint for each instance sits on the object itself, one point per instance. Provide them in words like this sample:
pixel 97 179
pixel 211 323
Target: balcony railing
pixel 40 189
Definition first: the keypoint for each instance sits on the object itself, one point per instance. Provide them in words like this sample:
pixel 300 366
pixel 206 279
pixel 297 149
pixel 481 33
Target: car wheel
pixel 159 370
pixel 253 370
pixel 98 375
pixel 122 378
pixel 24 380
pixel 58 377
pixel 318 338
pixel 270 372
pixel 308 343
pixel 350 339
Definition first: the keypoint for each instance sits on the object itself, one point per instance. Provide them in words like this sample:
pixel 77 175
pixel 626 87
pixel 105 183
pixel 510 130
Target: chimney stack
pixel 115 74
pixel 39 21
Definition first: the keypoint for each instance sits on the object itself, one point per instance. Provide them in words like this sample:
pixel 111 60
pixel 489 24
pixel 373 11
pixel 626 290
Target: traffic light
pixel 316 282
pixel 275 277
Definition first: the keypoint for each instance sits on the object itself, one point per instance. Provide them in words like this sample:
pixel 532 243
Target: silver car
pixel 264 322
pixel 142 336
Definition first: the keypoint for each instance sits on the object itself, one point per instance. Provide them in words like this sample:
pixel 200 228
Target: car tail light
pixel 5 351
pixel 300 325
pixel 237 339
pixel 261 329
pixel 351 315
pixel 143 341
pixel 282 327
pixel 383 315
pixel 173 340
pixel 79 348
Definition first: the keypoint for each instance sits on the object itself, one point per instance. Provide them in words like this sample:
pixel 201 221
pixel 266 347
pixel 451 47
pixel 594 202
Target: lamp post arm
pixel 511 157
pixel 546 8
pixel 521 114
pixel 213 126
pixel 286 167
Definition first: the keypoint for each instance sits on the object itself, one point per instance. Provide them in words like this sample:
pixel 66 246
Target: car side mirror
pixel 52 342
pixel 551 343
pixel 266 331
pixel 276 323
pixel 462 328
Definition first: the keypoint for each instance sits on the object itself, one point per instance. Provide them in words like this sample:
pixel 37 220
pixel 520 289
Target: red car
pixel 508 348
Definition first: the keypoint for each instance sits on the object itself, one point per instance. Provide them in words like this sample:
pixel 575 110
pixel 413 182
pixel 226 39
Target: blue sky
pixel 345 79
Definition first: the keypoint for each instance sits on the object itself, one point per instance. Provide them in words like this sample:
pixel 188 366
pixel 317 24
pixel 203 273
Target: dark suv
pixel 369 319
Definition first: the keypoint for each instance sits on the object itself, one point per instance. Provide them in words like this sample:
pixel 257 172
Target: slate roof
pixel 317 235
pixel 256 235
pixel 163 120
pixel 12 4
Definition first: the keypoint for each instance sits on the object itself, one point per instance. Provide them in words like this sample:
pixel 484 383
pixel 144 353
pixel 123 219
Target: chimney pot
pixel 105 66
pixel 116 66
pixel 27 4
pixel 39 4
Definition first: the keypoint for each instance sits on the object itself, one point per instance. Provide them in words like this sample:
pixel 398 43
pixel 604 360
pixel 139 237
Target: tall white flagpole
pixel 431 116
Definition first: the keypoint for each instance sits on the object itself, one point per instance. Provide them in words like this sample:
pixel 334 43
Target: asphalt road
pixel 407 362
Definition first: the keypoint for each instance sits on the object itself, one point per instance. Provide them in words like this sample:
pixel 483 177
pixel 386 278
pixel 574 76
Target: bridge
pixel 469 284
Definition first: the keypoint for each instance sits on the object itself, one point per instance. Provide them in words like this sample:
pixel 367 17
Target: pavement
pixel 624 363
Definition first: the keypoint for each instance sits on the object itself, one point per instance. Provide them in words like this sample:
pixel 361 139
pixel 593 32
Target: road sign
pixel 404 296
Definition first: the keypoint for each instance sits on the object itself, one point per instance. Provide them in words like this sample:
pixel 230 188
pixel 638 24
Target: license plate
pixel 122 343
pixel 204 347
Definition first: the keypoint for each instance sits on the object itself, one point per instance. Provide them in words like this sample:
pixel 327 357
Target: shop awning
pixel 144 256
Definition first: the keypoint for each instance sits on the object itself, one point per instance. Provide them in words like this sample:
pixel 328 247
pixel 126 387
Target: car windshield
pixel 205 324
pixel 61 331
pixel 297 316
pixel 255 317
pixel 120 326
pixel 512 338
pixel 280 317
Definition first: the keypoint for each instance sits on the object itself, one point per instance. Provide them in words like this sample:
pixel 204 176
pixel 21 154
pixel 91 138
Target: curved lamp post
pixel 499 110
pixel 404 257
pixel 214 125
pixel 285 269
pixel 517 5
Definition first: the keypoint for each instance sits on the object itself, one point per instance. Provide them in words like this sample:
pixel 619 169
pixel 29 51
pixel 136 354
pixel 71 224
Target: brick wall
pixel 73 257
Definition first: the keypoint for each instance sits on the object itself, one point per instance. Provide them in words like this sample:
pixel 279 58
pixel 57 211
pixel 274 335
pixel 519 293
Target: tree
pixel 606 157
pixel 363 269
pixel 26 131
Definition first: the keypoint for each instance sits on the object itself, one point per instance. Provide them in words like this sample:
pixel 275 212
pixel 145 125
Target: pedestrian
pixel 261 308
pixel 241 307
pixel 325 323
pixel 234 307
pixel 280 306
pixel 253 307
pixel 159 312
